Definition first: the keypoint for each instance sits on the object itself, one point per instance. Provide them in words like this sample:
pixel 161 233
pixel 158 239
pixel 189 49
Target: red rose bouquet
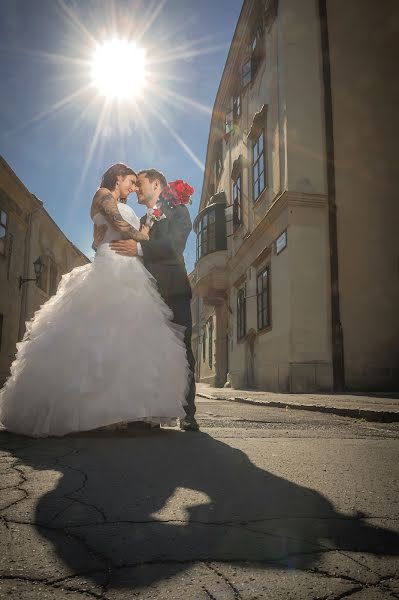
pixel 177 192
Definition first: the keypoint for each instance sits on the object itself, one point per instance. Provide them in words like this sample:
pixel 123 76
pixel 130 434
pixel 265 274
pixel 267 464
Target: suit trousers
pixel 181 308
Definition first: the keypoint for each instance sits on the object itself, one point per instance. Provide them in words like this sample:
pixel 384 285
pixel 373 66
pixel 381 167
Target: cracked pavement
pixel 262 503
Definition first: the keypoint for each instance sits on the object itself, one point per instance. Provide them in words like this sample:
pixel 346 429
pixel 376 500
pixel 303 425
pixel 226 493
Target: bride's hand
pixel 145 230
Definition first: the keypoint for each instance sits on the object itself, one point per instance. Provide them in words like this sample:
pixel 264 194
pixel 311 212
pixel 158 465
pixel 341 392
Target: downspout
pixel 337 333
pixel 26 273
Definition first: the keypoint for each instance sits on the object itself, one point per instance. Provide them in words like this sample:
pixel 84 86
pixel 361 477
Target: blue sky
pixel 59 147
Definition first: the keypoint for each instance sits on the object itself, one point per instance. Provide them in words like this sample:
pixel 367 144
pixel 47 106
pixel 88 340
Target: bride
pixel 103 350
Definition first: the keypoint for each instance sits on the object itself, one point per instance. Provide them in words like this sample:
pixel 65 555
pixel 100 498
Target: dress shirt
pixel 149 222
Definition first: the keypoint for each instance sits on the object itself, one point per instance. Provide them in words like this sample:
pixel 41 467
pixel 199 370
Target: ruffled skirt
pixel 102 350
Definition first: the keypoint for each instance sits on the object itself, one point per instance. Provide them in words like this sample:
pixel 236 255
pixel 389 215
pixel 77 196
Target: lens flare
pixel 118 69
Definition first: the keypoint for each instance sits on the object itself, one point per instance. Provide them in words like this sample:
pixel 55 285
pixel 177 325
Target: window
pixel 229 123
pixel 42 280
pixel 233 116
pixel 204 345
pixel 9 257
pixel 206 236
pixel 236 108
pixel 246 73
pixel 211 231
pixel 263 298
pixel 210 343
pixel 53 277
pixel 241 312
pixel 237 203
pixel 255 51
pixel 3 231
pixel 218 159
pixel 195 310
pixel 258 166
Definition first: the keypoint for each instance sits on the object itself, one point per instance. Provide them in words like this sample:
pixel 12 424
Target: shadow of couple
pixel 178 498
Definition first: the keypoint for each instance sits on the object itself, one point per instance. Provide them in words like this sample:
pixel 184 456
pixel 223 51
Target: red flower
pixel 178 192
pixel 156 214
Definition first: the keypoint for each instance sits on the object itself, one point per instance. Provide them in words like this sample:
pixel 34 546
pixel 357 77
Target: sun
pixel 118 69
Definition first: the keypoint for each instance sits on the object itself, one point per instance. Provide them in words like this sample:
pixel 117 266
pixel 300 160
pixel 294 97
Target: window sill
pixel 264 330
pixel 260 198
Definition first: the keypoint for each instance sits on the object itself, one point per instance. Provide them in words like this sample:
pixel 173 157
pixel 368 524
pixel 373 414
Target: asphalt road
pixel 262 503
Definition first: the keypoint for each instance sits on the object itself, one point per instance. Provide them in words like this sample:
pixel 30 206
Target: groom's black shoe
pixel 189 424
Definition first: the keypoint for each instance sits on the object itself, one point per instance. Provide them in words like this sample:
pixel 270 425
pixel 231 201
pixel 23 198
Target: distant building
pixel 296 284
pixel 27 233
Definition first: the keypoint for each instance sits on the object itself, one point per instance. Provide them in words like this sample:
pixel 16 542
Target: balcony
pixel 210 279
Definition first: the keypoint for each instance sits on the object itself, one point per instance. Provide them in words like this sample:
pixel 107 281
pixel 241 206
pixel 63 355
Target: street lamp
pixel 38 266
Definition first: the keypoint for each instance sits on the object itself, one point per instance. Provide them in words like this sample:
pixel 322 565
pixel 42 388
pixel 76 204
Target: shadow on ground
pixel 107 502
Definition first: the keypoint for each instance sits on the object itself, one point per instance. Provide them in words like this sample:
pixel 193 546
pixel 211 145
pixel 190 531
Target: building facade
pixel 296 283
pixel 27 233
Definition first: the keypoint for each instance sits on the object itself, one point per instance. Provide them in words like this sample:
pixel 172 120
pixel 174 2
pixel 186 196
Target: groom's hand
pixel 124 247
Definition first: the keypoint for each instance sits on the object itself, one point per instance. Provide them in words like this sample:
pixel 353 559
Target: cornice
pixel 281 202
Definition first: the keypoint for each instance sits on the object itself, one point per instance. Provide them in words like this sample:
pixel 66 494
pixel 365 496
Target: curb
pixel 374 416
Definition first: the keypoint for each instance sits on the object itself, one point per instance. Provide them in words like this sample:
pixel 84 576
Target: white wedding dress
pixel 101 351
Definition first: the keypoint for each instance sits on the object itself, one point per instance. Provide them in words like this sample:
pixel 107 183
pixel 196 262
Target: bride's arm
pixel 105 203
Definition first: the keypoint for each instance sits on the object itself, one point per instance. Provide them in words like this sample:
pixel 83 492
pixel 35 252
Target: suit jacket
pixel 163 252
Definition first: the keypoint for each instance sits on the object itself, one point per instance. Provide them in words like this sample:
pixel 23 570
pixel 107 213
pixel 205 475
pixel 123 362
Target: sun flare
pixel 118 69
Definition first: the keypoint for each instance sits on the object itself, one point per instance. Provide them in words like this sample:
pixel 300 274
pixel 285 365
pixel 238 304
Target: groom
pixel 163 258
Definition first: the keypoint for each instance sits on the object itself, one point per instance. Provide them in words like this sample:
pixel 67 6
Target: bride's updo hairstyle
pixel 110 176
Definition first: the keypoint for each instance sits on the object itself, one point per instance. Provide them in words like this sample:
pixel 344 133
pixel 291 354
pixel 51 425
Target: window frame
pixel 218 159
pixel 237 201
pixel 3 226
pixel 210 343
pixel 263 298
pixel 42 281
pixel 52 278
pixel 250 66
pixel 204 344
pixel 206 235
pixel 229 123
pixel 246 72
pixel 241 312
pixel 237 108
pixel 256 163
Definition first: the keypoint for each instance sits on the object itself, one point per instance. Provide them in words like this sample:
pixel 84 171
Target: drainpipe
pixel 26 273
pixel 337 333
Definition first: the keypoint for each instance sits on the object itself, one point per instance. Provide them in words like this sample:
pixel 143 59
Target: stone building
pixel 27 233
pixel 296 284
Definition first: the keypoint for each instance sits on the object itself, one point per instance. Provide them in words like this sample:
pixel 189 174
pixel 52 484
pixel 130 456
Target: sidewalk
pixel 370 408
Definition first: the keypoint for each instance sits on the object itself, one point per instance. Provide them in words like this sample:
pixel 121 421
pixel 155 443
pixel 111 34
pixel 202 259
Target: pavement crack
pixel 55 585
pixel 79 489
pixel 328 575
pixel 235 591
pixel 208 593
pixel 348 593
